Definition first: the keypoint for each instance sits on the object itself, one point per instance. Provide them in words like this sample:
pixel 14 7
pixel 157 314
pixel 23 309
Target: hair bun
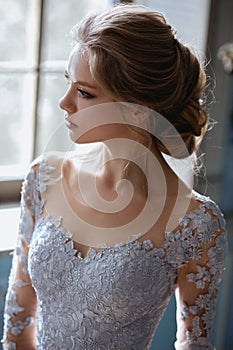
pixel 157 71
pixel 191 119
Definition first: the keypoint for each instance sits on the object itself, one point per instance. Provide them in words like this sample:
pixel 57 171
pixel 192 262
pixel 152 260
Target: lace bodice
pixel 115 297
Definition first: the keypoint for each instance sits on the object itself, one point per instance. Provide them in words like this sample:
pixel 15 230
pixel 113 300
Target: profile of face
pixel 89 111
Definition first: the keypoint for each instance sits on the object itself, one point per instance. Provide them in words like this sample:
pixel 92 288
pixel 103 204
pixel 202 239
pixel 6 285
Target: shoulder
pixel 42 169
pixel 201 235
pixel 55 160
pixel 47 164
pixel 48 168
pixel 205 224
pixel 209 211
pixel 50 159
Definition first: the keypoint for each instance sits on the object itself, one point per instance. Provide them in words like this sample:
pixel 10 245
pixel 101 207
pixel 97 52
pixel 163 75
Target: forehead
pixel 78 67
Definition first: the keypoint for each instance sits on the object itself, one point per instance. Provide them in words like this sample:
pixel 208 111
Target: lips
pixel 69 124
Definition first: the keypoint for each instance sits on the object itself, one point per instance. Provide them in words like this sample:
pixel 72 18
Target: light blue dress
pixel 113 298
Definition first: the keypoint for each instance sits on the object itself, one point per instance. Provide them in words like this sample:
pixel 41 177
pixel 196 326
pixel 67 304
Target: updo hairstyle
pixel 134 55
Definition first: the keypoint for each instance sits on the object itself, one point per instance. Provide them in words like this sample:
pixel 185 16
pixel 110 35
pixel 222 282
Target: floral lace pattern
pixel 31 207
pixel 114 298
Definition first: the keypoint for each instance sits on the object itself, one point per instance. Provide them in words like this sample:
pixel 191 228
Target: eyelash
pixel 67 79
pixel 84 94
pixel 81 92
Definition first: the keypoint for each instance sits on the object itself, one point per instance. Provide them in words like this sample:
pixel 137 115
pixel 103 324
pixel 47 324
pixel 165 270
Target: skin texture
pixel 82 94
pixel 62 191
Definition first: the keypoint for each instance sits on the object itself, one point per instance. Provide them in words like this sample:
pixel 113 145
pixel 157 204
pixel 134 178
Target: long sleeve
pixel 198 281
pixel 20 305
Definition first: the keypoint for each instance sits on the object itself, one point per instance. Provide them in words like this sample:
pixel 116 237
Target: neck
pixel 141 166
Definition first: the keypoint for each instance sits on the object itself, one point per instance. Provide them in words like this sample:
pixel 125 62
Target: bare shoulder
pixel 55 161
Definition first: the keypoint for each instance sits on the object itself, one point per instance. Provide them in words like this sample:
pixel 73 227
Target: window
pixel 34 49
pixel 189 18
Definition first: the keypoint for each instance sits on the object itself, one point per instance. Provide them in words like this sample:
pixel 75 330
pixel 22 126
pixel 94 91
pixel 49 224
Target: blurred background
pixel 34 47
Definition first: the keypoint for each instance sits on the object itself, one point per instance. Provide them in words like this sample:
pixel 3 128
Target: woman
pixel 106 238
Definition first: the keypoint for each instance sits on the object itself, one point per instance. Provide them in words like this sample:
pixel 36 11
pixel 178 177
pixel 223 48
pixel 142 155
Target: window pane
pixel 52 134
pixel 189 18
pixel 18 42
pixel 58 21
pixel 15 122
pixel 13 38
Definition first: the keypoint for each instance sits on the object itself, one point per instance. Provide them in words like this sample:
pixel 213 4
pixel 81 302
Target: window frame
pixel 10 186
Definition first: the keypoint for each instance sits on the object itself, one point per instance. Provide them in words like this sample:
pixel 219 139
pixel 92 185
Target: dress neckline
pixel 148 244
pixel 98 240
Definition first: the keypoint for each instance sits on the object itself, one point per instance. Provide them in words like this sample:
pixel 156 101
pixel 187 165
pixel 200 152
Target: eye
pixel 84 94
pixel 67 78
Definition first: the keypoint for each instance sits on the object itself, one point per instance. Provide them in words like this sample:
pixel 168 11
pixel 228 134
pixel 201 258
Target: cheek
pixel 84 103
pixel 88 103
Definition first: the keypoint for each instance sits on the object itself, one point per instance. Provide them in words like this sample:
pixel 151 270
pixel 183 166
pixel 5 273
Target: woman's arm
pixel 197 287
pixel 21 303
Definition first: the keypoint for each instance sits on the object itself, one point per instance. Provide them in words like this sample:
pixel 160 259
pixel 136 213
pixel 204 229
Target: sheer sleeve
pixel 20 306
pixel 199 278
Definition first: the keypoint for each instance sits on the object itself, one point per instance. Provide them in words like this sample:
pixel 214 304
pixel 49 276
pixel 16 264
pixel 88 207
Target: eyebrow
pixel 80 82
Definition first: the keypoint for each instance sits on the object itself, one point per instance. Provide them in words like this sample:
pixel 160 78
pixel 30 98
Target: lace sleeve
pixel 198 280
pixel 20 305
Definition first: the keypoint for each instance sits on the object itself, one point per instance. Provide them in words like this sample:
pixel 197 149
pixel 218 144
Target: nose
pixel 68 103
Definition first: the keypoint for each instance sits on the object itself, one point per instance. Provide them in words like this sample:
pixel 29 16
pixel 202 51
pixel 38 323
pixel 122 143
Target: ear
pixel 140 114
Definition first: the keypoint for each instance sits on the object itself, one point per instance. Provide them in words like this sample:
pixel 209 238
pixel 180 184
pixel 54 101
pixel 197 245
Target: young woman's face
pixel 84 92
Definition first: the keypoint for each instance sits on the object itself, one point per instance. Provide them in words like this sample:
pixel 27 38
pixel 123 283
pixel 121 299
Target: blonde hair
pixel 134 55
